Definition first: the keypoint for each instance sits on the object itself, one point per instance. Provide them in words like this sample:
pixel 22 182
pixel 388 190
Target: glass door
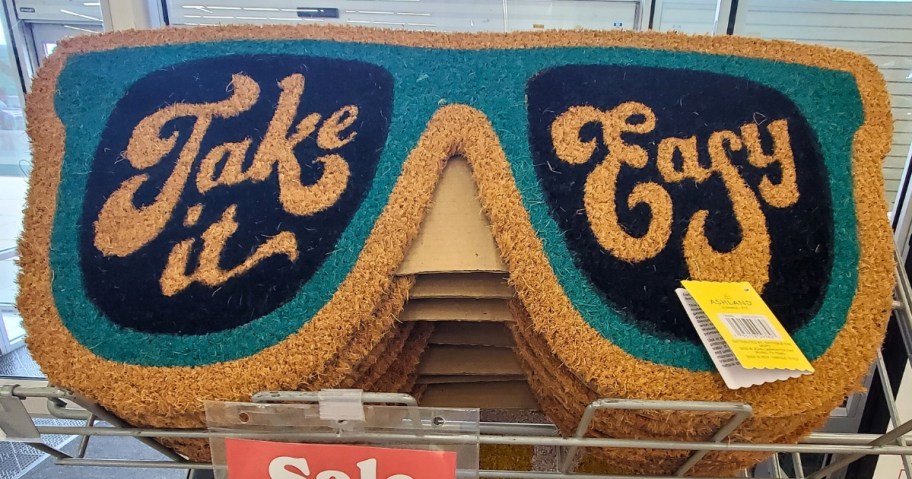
pixel 14 161
pixel 38 27
pixel 46 36
pixel 439 15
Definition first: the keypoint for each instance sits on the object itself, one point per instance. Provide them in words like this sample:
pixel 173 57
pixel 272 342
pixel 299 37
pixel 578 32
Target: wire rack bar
pixel 526 440
pixel 740 412
pixel 852 446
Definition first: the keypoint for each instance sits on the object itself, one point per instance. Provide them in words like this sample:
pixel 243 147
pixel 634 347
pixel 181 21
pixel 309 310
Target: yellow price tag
pixel 747 325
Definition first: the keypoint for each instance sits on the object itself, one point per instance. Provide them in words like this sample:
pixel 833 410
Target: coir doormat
pixel 218 211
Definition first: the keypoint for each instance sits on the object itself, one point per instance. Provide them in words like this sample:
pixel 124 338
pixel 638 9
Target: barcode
pixel 749 326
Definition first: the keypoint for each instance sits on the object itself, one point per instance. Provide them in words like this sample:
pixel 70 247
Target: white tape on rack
pixel 341 405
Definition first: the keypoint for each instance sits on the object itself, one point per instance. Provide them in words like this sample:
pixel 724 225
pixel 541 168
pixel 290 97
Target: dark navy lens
pixel 220 185
pixel 657 175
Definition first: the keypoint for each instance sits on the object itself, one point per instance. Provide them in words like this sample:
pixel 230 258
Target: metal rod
pixel 518 429
pixel 903 315
pixel 888 437
pixel 626 404
pixel 103 414
pixel 890 399
pixel 521 429
pixel 699 406
pixel 48 450
pixel 696 446
pixel 839 438
pixel 887 388
pixel 581 429
pixel 481 473
pixel 58 408
pixel 133 463
pixel 877 449
pixel 314 396
pixel 799 468
pixel 84 442
pixel 777 468
pixel 719 436
pixel 42 392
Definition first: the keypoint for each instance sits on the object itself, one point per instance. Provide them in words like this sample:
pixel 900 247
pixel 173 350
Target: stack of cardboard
pixel 461 289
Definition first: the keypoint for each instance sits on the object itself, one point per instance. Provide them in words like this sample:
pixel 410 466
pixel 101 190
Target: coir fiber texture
pixel 226 215
pixel 381 338
pixel 564 397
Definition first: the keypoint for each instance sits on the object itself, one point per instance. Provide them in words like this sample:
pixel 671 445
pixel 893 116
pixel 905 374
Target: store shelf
pixel 847 447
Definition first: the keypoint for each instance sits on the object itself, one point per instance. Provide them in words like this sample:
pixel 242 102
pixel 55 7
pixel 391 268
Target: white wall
pixel 535 14
pixel 442 15
pixel 880 30
pixel 688 16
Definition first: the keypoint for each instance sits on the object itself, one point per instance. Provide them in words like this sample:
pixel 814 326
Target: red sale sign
pixel 248 459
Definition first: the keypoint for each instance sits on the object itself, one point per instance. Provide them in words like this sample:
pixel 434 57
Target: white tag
pixel 341 405
pixel 735 376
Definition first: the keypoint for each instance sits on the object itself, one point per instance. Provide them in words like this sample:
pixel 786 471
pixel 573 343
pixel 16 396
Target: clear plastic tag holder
pixel 331 417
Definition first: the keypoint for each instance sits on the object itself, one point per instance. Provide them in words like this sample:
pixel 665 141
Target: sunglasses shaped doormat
pixel 219 211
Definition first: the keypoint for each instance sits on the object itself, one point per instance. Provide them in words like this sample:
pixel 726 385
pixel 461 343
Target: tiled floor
pixel 19 461
pixel 20 364
pixel 16 459
pixel 105 447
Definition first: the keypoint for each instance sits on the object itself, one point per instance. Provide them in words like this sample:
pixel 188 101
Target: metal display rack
pixel 845 447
